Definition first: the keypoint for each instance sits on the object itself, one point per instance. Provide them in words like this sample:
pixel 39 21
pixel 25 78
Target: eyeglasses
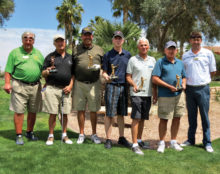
pixel 28 38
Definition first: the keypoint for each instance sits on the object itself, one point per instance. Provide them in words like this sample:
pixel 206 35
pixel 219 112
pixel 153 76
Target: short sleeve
pixel 105 62
pixel 10 63
pixel 129 67
pixel 157 69
pixel 212 62
pixel 46 63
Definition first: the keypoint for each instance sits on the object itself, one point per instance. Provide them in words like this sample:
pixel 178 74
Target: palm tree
pixel 6 9
pixel 69 17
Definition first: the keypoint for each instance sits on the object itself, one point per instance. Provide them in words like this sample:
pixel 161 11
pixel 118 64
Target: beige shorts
pixel 52 98
pixel 169 107
pixel 84 94
pixel 25 96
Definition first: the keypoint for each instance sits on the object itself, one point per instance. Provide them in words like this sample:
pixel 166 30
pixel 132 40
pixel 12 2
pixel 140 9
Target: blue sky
pixel 39 16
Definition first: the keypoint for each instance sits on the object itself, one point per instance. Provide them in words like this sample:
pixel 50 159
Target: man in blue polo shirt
pixel 114 65
pixel 167 74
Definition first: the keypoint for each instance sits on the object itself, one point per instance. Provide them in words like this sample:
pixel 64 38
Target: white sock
pixel 172 141
pixel 162 142
pixel 139 140
pixel 135 145
pixel 64 135
pixel 81 134
pixel 50 136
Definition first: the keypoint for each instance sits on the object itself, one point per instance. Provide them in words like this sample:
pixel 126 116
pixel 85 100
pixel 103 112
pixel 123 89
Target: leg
pixel 31 118
pixel 135 129
pixel 18 122
pixel 52 123
pixel 175 127
pixel 162 129
pixel 93 119
pixel 81 121
pixel 108 126
pixel 65 120
pixel 120 120
pixel 140 128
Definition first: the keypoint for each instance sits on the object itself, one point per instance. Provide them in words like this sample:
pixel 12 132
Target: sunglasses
pixel 195 37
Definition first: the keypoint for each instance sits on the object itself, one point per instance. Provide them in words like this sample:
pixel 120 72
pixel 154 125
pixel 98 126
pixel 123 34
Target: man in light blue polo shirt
pixel 169 74
pixel 139 72
pixel 200 65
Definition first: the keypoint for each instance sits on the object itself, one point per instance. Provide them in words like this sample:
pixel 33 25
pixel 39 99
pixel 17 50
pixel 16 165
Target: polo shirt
pixel 25 66
pixel 64 68
pixel 139 67
pixel 167 72
pixel 198 66
pixel 119 60
pixel 81 56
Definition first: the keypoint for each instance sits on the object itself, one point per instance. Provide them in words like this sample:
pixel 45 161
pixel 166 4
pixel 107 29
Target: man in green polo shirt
pixel 24 67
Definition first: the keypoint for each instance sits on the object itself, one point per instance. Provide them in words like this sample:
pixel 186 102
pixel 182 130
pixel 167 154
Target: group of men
pixel 77 76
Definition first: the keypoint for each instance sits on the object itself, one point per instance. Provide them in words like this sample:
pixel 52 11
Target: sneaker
pixel 95 139
pixel 80 139
pixel 209 149
pixel 161 147
pixel 49 141
pixel 30 136
pixel 144 145
pixel 137 150
pixel 122 141
pixel 185 143
pixel 67 140
pixel 19 140
pixel 176 146
pixel 108 144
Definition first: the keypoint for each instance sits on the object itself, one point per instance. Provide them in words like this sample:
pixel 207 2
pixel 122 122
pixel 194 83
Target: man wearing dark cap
pixel 58 73
pixel 116 97
pixel 87 87
pixel 200 66
pixel 169 76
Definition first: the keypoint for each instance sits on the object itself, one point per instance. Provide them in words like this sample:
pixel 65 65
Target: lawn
pixel 36 157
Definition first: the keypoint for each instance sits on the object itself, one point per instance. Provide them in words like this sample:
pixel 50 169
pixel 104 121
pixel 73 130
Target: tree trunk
pixel 125 15
pixel 181 49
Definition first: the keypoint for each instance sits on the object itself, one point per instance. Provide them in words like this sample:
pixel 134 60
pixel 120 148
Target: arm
pixel 131 82
pixel 157 81
pixel 68 88
pixel 105 75
pixel 213 74
pixel 154 94
pixel 7 86
pixel 184 83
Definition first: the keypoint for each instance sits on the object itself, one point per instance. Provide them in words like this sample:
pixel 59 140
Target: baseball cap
pixel 118 33
pixel 170 44
pixel 58 36
pixel 87 30
pixel 195 34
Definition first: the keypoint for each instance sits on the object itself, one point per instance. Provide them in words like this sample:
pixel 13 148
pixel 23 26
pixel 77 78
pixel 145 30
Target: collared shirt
pixel 81 58
pixel 139 67
pixel 118 60
pixel 198 66
pixel 167 72
pixel 64 68
pixel 25 66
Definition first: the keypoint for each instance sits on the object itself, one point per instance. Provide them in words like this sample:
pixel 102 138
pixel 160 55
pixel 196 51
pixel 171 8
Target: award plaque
pixel 178 86
pixel 140 88
pixel 53 68
pixel 113 76
pixel 92 66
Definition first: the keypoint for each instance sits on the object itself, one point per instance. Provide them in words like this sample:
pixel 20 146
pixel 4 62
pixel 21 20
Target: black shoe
pixel 108 144
pixel 30 136
pixel 144 145
pixel 19 140
pixel 122 141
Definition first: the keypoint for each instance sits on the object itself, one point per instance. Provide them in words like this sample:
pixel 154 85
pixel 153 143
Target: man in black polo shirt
pixel 116 100
pixel 59 82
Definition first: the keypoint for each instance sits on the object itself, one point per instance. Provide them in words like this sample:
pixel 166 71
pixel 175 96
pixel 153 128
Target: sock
pixel 19 135
pixel 172 141
pixel 50 136
pixel 64 135
pixel 81 134
pixel 139 140
pixel 161 142
pixel 135 145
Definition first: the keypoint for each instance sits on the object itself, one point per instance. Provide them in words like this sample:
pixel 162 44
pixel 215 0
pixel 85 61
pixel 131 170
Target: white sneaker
pixel 176 146
pixel 80 139
pixel 209 149
pixel 161 147
pixel 67 140
pixel 49 141
pixel 185 143
pixel 95 139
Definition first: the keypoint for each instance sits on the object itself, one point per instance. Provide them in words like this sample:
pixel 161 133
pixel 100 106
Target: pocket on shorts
pixel 17 86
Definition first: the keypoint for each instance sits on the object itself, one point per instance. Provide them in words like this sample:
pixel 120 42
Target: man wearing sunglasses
pixel 23 68
pixel 200 66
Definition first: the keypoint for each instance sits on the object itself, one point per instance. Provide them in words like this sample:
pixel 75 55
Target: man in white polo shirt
pixel 139 72
pixel 200 66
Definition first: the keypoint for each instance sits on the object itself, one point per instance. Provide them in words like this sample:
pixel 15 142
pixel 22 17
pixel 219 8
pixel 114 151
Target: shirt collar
pixel 116 52
pixel 165 59
pixel 32 51
pixel 87 47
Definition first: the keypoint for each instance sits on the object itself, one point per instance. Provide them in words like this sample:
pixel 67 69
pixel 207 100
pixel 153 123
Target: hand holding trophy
pixel 178 86
pixel 113 76
pixel 53 68
pixel 140 88
pixel 93 67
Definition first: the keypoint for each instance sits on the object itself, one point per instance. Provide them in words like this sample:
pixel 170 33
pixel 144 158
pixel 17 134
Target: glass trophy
pixel 53 68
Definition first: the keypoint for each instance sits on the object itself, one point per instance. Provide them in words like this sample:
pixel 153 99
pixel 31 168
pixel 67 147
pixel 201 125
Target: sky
pixel 39 16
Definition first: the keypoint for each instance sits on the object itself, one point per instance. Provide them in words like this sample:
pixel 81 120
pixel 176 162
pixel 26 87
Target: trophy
pixel 92 66
pixel 53 68
pixel 178 86
pixel 113 76
pixel 140 88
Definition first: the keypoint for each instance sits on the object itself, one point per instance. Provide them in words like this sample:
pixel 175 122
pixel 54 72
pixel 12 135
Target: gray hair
pixel 27 33
pixel 142 39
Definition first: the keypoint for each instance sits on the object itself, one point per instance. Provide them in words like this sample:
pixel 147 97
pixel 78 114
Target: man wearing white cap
pixel 59 82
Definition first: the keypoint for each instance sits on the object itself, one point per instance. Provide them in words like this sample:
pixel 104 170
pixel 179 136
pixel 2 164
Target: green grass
pixel 215 83
pixel 36 157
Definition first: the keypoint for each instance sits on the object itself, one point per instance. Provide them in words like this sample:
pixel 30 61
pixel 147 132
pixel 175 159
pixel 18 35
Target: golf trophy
pixel 178 86
pixel 140 88
pixel 53 68
pixel 113 76
pixel 92 66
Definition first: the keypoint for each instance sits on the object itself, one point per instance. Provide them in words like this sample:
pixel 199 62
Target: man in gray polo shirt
pixel 139 71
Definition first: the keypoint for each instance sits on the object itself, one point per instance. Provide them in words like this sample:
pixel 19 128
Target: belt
pixel 194 86
pixel 29 83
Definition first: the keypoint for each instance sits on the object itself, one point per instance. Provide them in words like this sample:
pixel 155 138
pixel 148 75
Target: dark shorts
pixel 116 100
pixel 140 107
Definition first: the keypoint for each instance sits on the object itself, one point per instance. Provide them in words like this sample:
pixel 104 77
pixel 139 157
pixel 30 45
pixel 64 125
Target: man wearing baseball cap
pixel 169 76
pixel 58 73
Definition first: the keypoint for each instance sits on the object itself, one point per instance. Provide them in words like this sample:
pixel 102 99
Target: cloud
pixel 11 38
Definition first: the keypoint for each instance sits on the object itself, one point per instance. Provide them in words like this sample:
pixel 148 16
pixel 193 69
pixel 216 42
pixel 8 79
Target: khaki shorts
pixel 169 107
pixel 25 96
pixel 84 94
pixel 52 98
